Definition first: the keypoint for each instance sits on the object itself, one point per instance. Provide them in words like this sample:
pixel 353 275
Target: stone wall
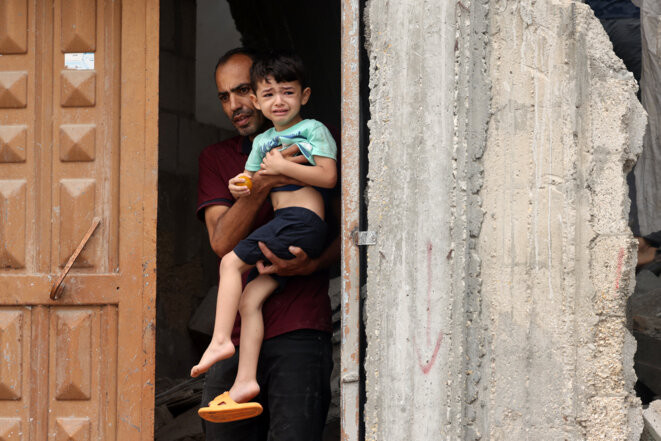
pixel 557 254
pixel 429 104
pixel 501 133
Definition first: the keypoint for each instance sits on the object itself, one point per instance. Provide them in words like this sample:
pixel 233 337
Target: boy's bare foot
pixel 214 353
pixel 244 391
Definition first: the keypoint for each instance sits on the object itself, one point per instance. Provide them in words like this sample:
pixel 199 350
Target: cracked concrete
pixel 500 136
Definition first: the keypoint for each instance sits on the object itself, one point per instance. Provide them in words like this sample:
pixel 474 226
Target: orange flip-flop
pixel 223 409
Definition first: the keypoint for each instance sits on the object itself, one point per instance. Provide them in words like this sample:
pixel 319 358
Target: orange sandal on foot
pixel 223 409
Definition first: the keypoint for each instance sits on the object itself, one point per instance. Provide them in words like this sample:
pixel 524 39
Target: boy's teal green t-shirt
pixel 311 136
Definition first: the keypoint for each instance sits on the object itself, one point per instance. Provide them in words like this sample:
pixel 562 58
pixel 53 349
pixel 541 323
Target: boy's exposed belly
pixel 306 197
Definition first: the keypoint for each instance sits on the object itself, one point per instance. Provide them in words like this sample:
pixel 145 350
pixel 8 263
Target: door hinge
pixel 362 238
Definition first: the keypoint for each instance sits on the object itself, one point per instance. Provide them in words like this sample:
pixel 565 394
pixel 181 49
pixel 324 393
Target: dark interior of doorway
pixel 621 20
pixel 187 267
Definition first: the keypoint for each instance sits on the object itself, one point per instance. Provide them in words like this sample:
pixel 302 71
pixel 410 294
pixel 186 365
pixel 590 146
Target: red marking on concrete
pixel 618 274
pixel 429 249
pixel 426 366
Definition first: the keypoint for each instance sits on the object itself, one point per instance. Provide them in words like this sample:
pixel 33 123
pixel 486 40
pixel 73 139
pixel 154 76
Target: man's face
pixel 233 83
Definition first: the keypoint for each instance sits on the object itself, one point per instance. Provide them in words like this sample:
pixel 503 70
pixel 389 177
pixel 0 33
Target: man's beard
pixel 252 126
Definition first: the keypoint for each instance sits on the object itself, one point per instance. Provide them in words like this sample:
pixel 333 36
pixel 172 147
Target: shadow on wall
pixel 311 29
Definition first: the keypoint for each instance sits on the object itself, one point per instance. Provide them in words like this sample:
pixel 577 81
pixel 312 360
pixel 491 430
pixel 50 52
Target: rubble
pixel 652 419
pixel 175 415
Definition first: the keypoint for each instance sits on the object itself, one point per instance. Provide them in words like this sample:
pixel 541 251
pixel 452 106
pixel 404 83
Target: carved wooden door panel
pixel 78 141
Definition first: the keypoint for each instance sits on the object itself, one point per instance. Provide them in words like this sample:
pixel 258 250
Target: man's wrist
pixel 313 266
pixel 260 188
pixel 261 185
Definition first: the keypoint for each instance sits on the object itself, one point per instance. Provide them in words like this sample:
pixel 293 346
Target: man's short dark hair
pixel 247 51
pixel 283 66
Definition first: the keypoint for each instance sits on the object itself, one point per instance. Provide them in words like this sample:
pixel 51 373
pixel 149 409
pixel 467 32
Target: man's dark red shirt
pixel 304 302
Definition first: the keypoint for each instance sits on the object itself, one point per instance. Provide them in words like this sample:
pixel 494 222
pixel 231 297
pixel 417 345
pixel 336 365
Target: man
pixel 295 360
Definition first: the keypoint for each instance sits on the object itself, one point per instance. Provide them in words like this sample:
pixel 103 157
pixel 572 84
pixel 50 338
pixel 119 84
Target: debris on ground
pixel 652 419
pixel 175 415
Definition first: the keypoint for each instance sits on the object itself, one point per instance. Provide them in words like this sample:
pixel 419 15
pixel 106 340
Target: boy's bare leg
pixel 229 294
pixel 252 333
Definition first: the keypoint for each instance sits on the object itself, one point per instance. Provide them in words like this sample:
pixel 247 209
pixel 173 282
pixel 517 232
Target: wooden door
pixel 75 145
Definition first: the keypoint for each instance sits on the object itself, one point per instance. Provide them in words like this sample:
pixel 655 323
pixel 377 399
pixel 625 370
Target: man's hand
pixel 261 180
pixel 301 265
pixel 292 154
pixel 275 161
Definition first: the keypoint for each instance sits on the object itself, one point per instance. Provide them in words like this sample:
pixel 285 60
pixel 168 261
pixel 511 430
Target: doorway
pixel 193 35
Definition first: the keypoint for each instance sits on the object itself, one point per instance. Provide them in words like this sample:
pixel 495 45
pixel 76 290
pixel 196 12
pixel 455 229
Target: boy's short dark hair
pixel 247 51
pixel 283 66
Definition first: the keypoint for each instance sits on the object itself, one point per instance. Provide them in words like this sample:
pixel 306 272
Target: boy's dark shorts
pixel 291 226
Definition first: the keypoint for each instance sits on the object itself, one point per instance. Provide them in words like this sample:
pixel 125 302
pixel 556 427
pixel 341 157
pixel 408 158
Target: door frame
pixel 350 266
pixel 139 147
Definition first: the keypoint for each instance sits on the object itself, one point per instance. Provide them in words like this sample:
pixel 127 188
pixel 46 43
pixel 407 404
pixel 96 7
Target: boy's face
pixel 281 102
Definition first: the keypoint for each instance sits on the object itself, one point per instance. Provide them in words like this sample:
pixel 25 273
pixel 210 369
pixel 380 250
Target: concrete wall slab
pixel 501 133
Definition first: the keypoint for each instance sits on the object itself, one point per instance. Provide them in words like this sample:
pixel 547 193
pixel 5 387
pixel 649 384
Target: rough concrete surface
pixel 557 254
pixel 429 107
pixel 496 294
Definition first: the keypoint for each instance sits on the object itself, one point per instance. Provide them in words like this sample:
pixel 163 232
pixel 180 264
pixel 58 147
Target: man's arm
pixel 323 174
pixel 227 226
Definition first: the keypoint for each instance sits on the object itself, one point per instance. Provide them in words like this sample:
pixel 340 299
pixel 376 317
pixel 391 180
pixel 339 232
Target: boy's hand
pixel 239 191
pixel 265 181
pixel 300 265
pixel 273 163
